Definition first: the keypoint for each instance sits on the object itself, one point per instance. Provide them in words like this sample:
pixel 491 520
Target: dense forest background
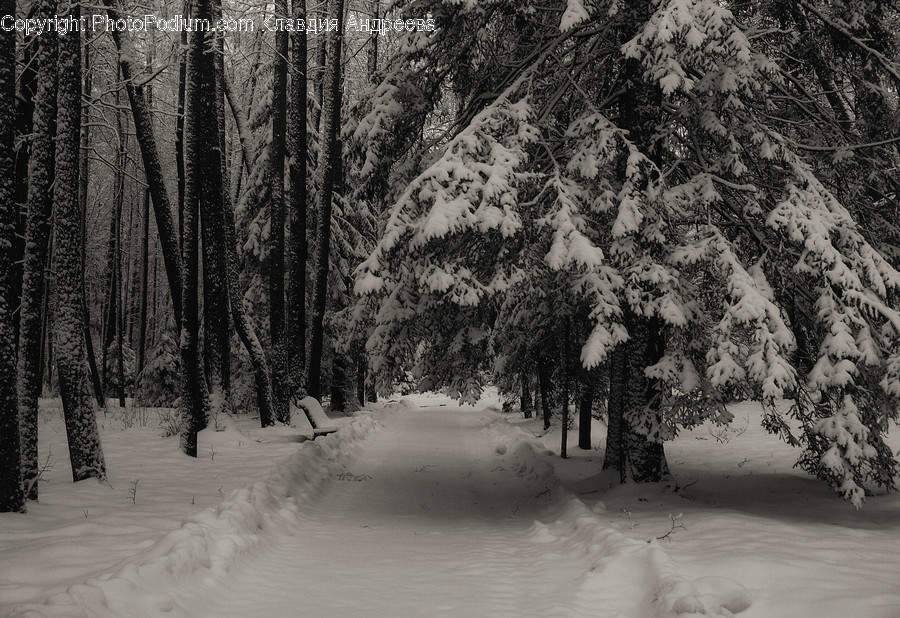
pixel 645 210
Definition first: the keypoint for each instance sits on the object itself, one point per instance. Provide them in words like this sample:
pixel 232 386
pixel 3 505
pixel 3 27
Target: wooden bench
pixel 319 421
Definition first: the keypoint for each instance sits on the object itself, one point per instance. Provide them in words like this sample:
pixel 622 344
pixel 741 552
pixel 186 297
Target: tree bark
pixel 525 402
pixel 145 284
pixel 37 240
pixel 143 125
pixel 279 365
pixel 85 453
pixel 12 497
pixel 83 200
pixel 329 151
pixel 584 416
pixel 296 316
pixel 544 386
pixel 199 110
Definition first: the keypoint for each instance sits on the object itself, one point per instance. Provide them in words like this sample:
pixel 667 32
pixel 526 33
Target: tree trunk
pixel 525 402
pixel 179 127
pixel 37 240
pixel 296 317
pixel 145 284
pixel 12 497
pixel 631 395
pixel 329 151
pixel 112 281
pixel 618 386
pixel 280 388
pixel 544 386
pixel 564 369
pixel 85 453
pixel 143 125
pixel 372 51
pixel 27 81
pixel 83 200
pixel 584 416
pixel 199 117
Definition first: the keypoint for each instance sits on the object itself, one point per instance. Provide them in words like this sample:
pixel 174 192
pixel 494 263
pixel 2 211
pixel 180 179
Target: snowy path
pixel 427 521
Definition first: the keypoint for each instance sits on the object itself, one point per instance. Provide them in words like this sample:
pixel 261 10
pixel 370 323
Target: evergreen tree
pixel 636 156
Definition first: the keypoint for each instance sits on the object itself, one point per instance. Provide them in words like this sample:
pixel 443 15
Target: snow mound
pixel 210 542
pixel 638 578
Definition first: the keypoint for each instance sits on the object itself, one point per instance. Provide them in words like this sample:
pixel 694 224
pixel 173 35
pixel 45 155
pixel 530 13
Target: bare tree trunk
pixel 145 281
pixel 83 200
pixel 525 401
pixel 296 317
pixel 37 237
pixel 614 457
pixel 12 497
pixel 329 152
pixel 280 387
pixel 585 405
pixel 199 81
pixel 143 126
pixel 564 369
pixel 179 126
pixel 112 281
pixel 543 367
pixel 85 453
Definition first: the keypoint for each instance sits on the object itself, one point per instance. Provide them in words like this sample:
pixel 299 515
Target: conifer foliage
pixel 646 170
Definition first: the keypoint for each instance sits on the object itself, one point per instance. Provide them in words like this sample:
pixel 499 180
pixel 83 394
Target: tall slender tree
pixel 12 497
pixel 276 265
pixel 329 151
pixel 85 453
pixel 296 308
pixel 200 115
pixel 37 236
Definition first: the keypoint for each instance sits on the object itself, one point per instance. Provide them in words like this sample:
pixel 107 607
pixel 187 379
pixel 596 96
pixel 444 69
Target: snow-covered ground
pixel 420 508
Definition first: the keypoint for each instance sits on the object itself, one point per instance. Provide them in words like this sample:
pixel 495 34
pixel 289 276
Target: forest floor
pixel 420 507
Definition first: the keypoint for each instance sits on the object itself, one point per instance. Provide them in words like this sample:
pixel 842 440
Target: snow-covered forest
pixel 638 247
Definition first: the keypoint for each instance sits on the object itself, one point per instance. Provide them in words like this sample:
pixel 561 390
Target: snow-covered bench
pixel 320 422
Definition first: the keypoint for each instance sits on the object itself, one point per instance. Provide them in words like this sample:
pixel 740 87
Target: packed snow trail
pixel 426 521
pixel 443 513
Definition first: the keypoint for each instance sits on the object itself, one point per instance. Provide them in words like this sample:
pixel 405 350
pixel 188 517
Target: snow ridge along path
pixel 443 512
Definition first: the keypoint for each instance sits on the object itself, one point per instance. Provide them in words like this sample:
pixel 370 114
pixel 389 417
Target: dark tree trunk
pixel 329 151
pixel 37 236
pixel 143 126
pixel 618 385
pixel 83 200
pixel 179 127
pixel 24 129
pixel 12 497
pixel 296 318
pixel 200 116
pixel 372 51
pixel 85 453
pixel 584 416
pixel 564 369
pixel 112 281
pixel 279 365
pixel 525 401
pixel 631 395
pixel 145 284
pixel 339 382
pixel 543 367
